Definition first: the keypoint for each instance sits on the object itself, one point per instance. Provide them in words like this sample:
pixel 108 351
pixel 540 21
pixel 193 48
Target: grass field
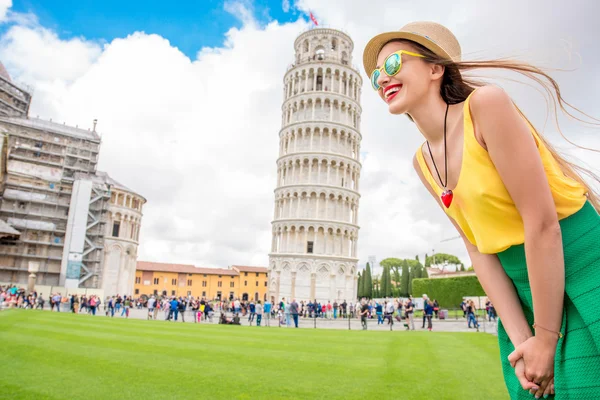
pixel 64 356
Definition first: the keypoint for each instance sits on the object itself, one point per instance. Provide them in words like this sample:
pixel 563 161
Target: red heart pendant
pixel 447 198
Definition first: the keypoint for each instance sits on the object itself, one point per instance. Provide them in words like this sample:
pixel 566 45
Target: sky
pixel 188 101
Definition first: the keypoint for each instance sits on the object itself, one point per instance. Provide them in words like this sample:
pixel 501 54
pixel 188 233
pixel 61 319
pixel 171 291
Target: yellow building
pixel 211 283
pixel 252 282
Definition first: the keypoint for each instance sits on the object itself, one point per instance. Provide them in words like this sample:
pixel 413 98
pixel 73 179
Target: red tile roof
pixel 242 268
pixel 182 268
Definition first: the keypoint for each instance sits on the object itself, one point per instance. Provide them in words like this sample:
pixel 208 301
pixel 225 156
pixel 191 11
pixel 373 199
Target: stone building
pixel 121 237
pixel 59 210
pixel 315 227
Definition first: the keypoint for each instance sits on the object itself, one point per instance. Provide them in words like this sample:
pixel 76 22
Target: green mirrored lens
pixel 392 64
pixel 374 78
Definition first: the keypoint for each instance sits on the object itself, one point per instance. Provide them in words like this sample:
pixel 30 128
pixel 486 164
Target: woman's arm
pixel 513 150
pixel 496 284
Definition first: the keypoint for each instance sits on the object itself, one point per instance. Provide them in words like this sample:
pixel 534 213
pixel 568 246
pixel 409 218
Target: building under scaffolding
pixel 49 196
pixel 14 101
pixel 56 210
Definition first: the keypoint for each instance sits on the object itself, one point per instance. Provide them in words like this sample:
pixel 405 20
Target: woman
pixel 428 311
pixel 74 304
pixel 436 308
pixel 528 220
pixel 379 312
pixel 471 310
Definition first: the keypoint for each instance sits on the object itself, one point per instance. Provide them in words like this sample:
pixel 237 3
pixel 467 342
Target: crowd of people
pixel 286 313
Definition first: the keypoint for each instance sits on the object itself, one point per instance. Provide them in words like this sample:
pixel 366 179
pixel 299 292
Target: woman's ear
pixel 437 71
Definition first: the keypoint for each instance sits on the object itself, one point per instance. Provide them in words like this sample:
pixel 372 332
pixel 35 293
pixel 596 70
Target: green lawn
pixel 64 356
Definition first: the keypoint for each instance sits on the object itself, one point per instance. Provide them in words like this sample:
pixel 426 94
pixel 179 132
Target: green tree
pixel 359 290
pixel 440 258
pixel 386 283
pixel 368 283
pixel 427 264
pixel 462 267
pixel 395 265
pixel 396 278
pixel 405 279
pixel 382 282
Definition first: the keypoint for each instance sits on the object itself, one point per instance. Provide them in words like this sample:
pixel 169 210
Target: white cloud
pixel 199 138
pixel 242 10
pixel 5 5
pixel 285 5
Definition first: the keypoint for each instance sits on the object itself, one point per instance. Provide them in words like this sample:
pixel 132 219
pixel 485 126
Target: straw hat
pixel 431 35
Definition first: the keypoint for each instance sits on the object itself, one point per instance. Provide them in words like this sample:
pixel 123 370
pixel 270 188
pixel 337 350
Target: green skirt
pixel 577 362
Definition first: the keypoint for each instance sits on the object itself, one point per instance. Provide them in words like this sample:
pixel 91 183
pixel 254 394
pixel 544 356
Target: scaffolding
pixel 14 101
pixel 42 162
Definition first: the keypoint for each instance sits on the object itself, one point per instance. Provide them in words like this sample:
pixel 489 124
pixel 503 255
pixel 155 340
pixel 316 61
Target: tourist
pixel 491 311
pixel 425 300
pixel 237 306
pixel 389 312
pixel 471 311
pixel 182 304
pixel 150 305
pixel 157 306
pixel 208 312
pixel 200 311
pixel 436 308
pixel 56 300
pixel 379 312
pixel 127 304
pixel 364 310
pixel 280 317
pixel 93 303
pixel 40 302
pixel 409 309
pixel 528 219
pixel 463 307
pixel 294 311
pixel 335 309
pixel 74 303
pixel 111 306
pixel 428 313
pixel 126 300
pixel 166 306
pixel 252 312
pixel 118 304
pixel 259 313
pixel 286 312
pixel 267 312
pixel 174 310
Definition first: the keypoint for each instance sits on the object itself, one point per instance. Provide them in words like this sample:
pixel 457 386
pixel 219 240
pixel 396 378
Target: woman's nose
pixel 383 80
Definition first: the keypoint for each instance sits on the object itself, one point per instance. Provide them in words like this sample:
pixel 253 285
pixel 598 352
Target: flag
pixel 312 17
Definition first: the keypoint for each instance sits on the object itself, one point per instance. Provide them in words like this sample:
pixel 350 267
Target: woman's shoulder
pixel 489 97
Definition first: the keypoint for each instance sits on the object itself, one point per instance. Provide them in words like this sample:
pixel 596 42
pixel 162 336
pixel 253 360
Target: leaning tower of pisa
pixel 315 226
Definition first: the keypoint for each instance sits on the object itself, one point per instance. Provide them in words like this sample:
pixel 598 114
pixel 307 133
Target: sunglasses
pixel 391 66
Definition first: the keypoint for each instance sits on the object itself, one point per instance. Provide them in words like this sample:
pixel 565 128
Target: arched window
pixel 320 53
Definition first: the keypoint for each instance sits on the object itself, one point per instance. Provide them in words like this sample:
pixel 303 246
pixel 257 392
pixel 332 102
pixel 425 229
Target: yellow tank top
pixel 482 206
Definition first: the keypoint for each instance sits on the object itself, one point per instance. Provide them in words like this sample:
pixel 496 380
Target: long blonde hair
pixel 455 88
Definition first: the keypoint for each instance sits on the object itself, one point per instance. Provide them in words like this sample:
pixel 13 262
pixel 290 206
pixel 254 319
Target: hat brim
pixel 375 45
